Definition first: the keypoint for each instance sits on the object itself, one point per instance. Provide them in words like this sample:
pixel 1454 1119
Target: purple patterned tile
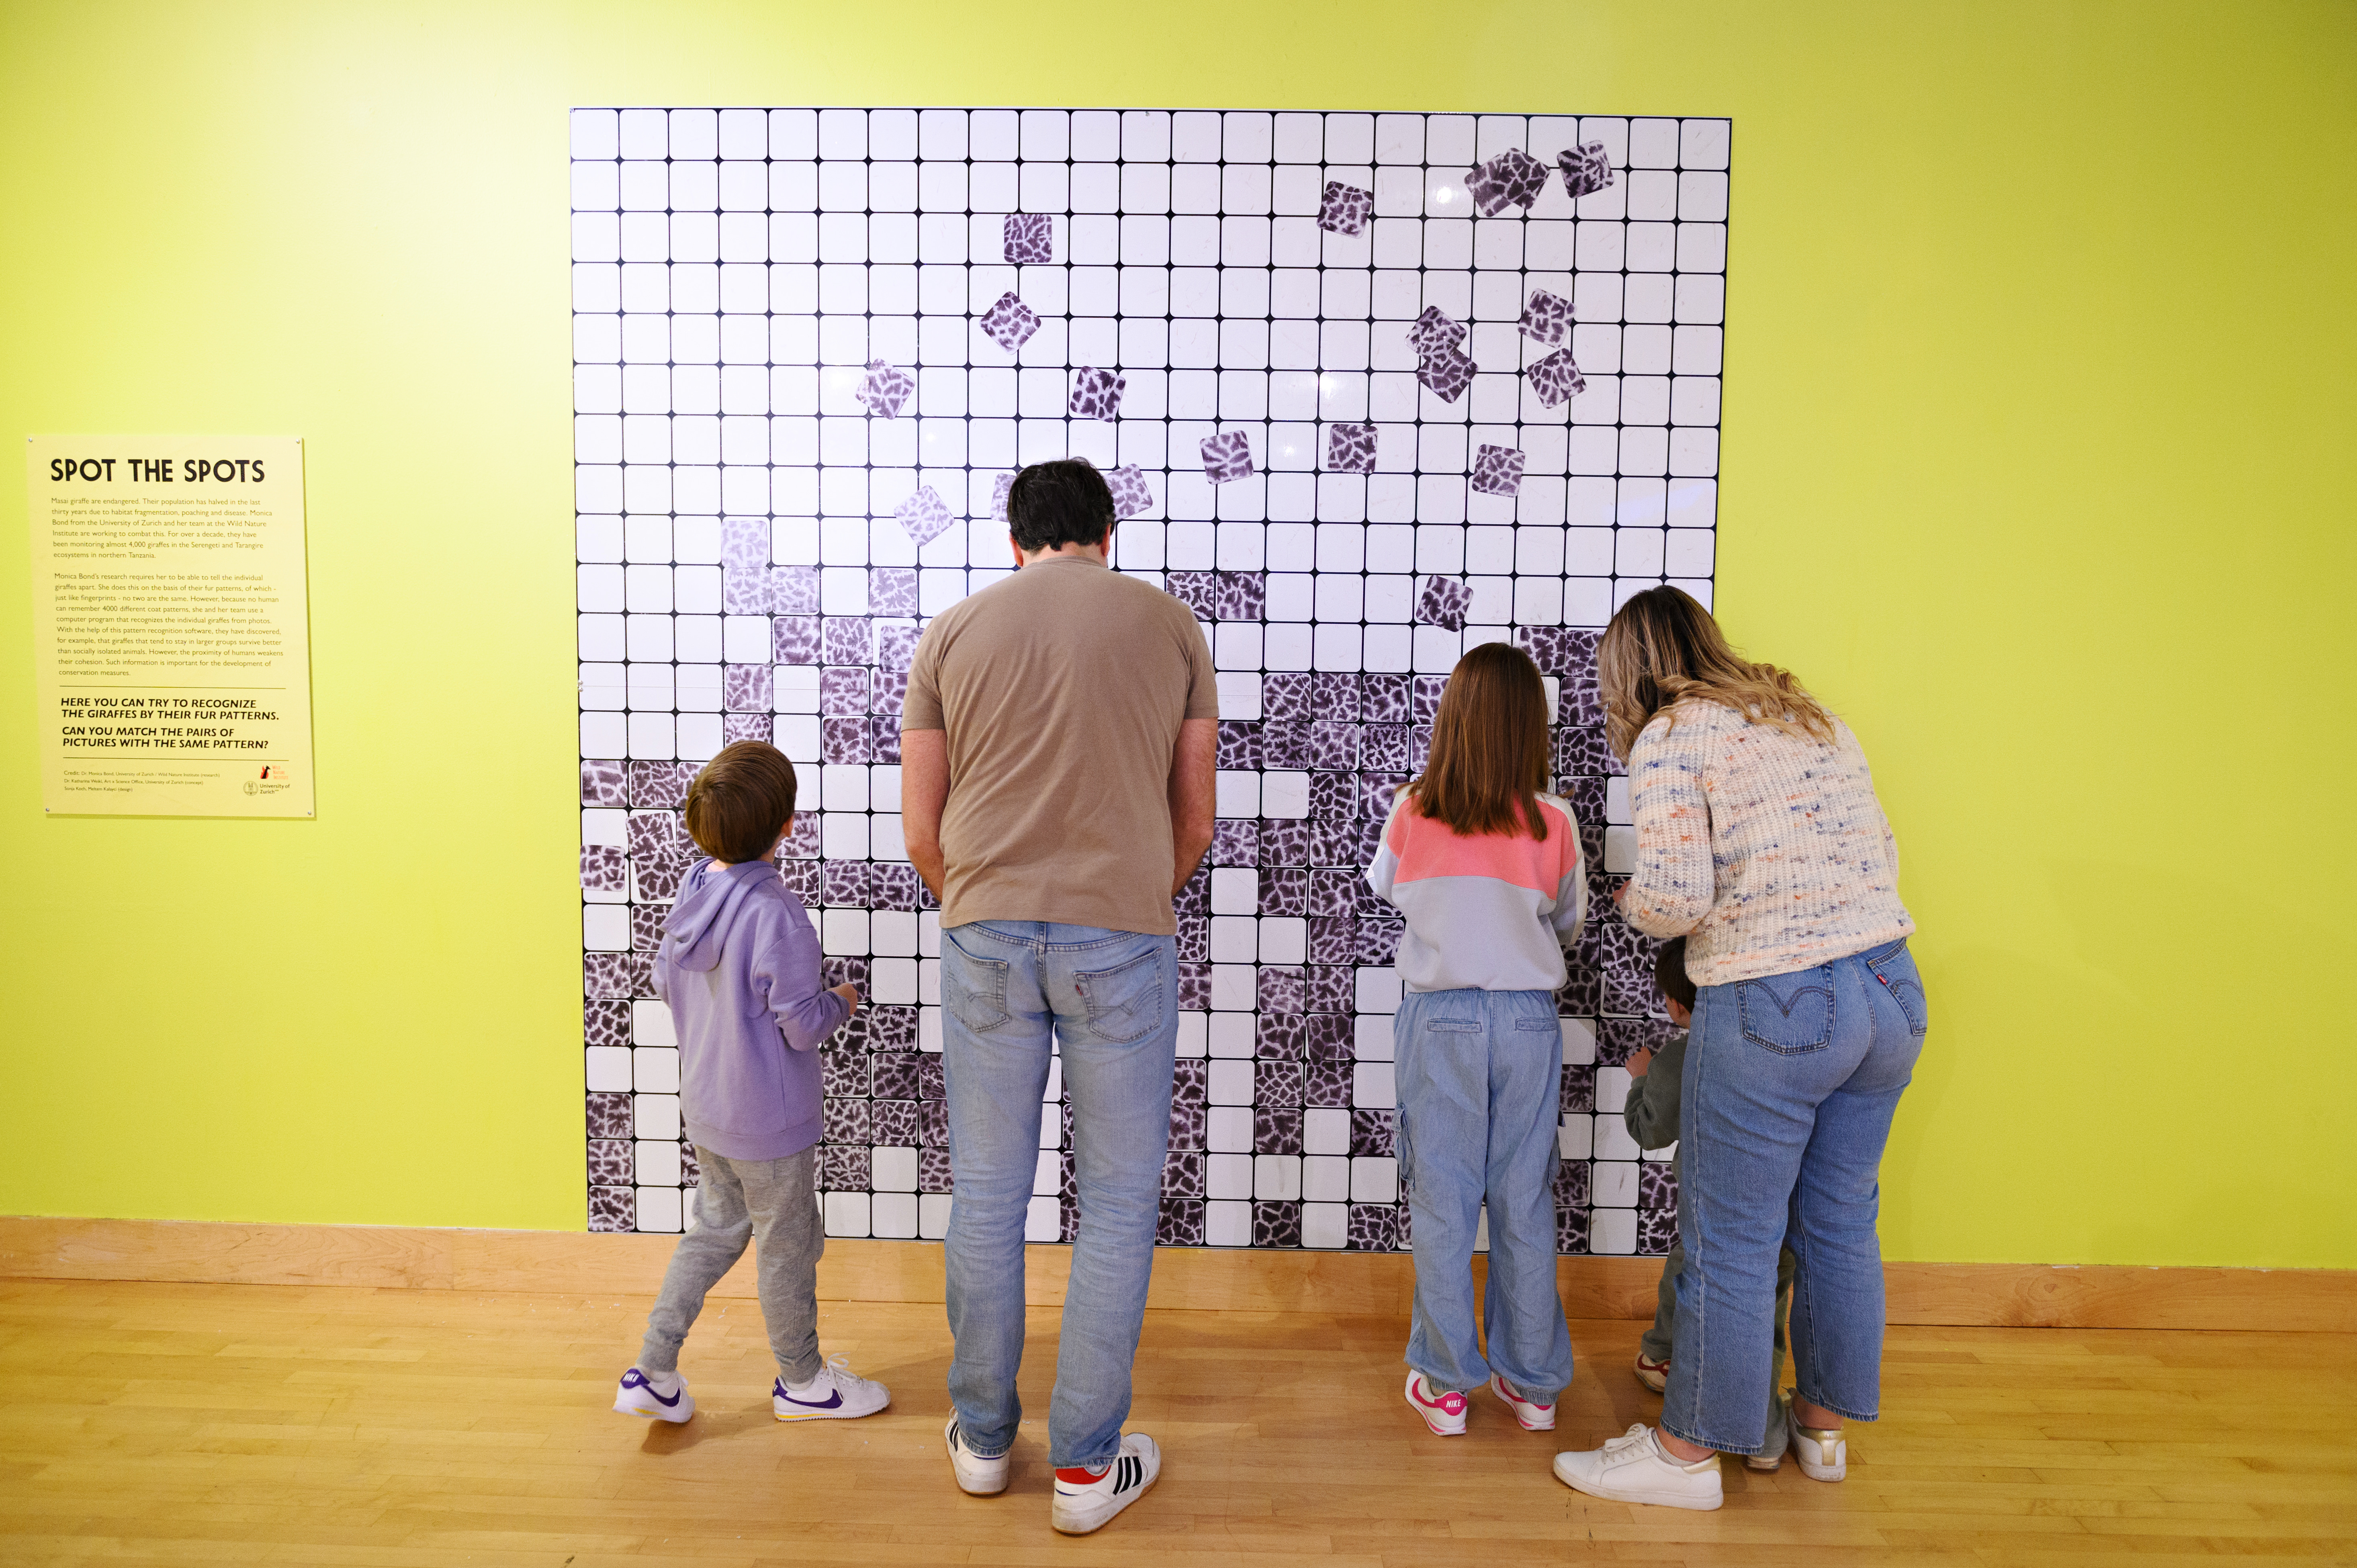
pixel 605 1023
pixel 848 639
pixel 1578 1089
pixel 1333 938
pixel 892 590
pixel 931 1082
pixel 885 389
pixel 1329 988
pixel 1334 743
pixel 603 869
pixel 1387 699
pixel 1234 841
pixel 794 590
pixel 1195 948
pixel 1372 1228
pixel 1278 1083
pixel 1371 1132
pixel 896 644
pixel 896 887
pixel 1333 890
pixel 1582 995
pixel 608 1115
pixel 1241 596
pixel 933 1172
pixel 1557 379
pixel 1199 591
pixel 657 881
pixel 1497 470
pixel 1182 1174
pixel 662 786
pixel 616 976
pixel 884 742
pixel 923 517
pixel 1239 748
pixel 1195 896
pixel 1194 983
pixel 1279 1036
pixel 801 840
pixel 1581 751
pixel 1512 179
pixel 896 1123
pixel 1096 395
pixel 1427 700
pixel 842 689
pixel 1327 1084
pixel 1379 941
pixel 1571 1184
pixel 844 1167
pixel 1344 208
pixel 1446 372
pixel 647 925
pixel 889 692
pixel 1571 1230
pixel 1657 1185
pixel 843 1075
pixel 1443 602
pixel 1385 746
pixel 845 740
pixel 934 1116
pixel 1276 1129
pixel 1546 317
pixel 1327 1036
pixel 659 836
pixel 793 640
pixel 1276 1224
pixel 601 783
pixel 734 728
pixel 894 1074
pixel 1587 168
pixel 1027 239
pixel 1657 1231
pixel 1227 456
pixel 1433 331
pixel 843 884
pixel 747 688
pixel 1378 790
pixel 1286 696
pixel 1283 988
pixel 1001 486
pixel 613 1208
pixel 1130 496
pixel 1284 843
pixel 1186 1124
pixel 1284 745
pixel 1351 449
pixel 1181 1223
pixel 1008 322
pixel 1334 798
pixel 892 1026
pixel 1284 891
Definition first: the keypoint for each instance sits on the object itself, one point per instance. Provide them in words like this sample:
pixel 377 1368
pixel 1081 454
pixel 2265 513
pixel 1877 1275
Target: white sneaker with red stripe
pixel 1443 1409
pixel 1086 1500
pixel 1654 1375
pixel 1534 1416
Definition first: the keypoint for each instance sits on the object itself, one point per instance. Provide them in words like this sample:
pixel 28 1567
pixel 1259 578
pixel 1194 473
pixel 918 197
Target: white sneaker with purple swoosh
pixel 833 1395
pixel 659 1396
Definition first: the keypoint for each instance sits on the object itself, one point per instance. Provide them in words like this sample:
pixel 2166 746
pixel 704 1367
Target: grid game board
pixel 1370 388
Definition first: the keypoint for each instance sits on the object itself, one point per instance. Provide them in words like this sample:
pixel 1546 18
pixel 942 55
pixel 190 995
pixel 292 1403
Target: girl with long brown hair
pixel 1485 864
pixel 1760 841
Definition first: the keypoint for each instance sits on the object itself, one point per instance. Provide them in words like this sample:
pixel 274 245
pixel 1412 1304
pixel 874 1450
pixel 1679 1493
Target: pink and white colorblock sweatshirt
pixel 1485 913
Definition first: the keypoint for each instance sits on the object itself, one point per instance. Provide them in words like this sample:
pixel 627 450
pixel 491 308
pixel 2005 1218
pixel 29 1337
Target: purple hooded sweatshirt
pixel 739 966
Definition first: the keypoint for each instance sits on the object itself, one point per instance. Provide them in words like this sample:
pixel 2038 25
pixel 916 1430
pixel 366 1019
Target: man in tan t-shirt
pixel 1057 745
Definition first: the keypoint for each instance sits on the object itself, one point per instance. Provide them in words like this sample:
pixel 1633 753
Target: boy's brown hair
pixel 1488 747
pixel 1669 973
pixel 741 801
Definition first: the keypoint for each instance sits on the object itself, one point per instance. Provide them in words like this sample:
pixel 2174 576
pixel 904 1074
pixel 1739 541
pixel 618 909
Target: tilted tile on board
pixel 1587 168
pixel 1344 208
pixel 1446 372
pixel 1351 449
pixel 1557 379
pixel 1497 470
pixel 1130 496
pixel 1096 395
pixel 1547 318
pixel 1443 603
pixel 1512 179
pixel 885 389
pixel 1008 322
pixel 1227 456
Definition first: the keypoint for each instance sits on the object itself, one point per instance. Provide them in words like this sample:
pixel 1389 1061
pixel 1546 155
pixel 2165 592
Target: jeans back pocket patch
pixel 1791 1014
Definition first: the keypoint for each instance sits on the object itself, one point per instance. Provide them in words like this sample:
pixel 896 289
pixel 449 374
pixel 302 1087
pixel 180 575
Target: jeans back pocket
pixel 973 988
pixel 1125 1002
pixel 1894 966
pixel 1791 1014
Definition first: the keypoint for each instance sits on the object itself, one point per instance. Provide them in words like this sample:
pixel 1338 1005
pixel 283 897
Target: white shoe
pixel 658 1396
pixel 833 1395
pixel 1823 1452
pixel 1633 1468
pixel 1779 1438
pixel 1443 1411
pixel 976 1476
pixel 1534 1416
pixel 1086 1500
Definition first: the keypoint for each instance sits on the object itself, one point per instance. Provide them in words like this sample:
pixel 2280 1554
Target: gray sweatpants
pixel 1657 1342
pixel 772 1204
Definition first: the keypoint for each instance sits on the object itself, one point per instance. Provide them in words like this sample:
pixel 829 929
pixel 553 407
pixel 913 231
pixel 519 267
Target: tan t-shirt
pixel 1062 689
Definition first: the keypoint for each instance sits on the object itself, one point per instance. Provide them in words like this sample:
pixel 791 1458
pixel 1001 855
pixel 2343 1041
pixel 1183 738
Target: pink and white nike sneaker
pixel 1534 1416
pixel 1443 1410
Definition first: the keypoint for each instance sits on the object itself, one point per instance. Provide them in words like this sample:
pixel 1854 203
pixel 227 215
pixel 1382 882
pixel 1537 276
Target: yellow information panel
pixel 171 634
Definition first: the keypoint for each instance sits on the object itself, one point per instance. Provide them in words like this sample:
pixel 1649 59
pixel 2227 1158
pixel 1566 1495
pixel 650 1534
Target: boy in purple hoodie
pixel 739 966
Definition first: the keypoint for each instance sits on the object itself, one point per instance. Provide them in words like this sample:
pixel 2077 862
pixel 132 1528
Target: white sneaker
pixel 833 1395
pixel 1823 1452
pixel 1778 1437
pixel 659 1396
pixel 976 1476
pixel 1534 1416
pixel 1633 1468
pixel 1086 1500
pixel 1443 1411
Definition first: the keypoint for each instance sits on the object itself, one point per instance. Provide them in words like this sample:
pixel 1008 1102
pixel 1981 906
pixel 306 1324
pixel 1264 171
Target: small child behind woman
pixel 1486 869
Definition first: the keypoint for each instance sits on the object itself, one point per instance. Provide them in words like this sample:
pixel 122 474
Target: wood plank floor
pixel 187 1423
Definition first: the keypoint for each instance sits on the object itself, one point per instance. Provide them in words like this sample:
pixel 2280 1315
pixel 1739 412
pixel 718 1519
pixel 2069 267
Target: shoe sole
pixel 832 1414
pixel 1692 1504
pixel 1657 1381
pixel 1057 1522
pixel 1825 1473
pixel 1523 1421
pixel 666 1417
pixel 958 1474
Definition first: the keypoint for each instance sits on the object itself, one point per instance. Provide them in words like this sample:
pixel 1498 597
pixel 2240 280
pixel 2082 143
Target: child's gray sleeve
pixel 1652 1112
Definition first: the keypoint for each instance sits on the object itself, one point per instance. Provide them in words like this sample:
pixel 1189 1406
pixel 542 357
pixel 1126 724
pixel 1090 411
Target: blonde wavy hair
pixel 1664 649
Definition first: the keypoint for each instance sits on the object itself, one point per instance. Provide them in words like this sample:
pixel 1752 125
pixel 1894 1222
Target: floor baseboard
pixel 1186 1278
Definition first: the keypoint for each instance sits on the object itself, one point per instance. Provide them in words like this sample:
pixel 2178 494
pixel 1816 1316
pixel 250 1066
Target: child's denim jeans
pixel 1111 1000
pixel 1480 1075
pixel 1791 1083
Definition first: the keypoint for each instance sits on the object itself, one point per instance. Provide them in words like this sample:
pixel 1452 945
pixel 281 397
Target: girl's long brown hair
pixel 1662 648
pixel 1488 747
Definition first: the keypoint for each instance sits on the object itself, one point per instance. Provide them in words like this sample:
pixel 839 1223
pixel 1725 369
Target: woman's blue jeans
pixel 1789 1087
pixel 1480 1075
pixel 1011 991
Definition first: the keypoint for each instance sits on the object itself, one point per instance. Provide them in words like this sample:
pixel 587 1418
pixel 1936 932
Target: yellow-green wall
pixel 2037 464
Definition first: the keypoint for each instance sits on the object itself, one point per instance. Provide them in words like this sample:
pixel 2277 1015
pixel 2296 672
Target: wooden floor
pixel 324 1426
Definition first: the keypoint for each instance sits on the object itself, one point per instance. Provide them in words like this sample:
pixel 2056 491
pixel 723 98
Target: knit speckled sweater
pixel 1767 851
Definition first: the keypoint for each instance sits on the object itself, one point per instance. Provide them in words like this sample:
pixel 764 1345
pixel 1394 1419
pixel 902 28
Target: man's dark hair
pixel 1063 502
pixel 738 804
pixel 1669 973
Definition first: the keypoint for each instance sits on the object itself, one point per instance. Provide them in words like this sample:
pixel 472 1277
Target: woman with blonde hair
pixel 1760 841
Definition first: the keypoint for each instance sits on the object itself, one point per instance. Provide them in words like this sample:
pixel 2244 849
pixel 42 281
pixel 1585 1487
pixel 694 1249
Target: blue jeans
pixel 1788 1090
pixel 1111 998
pixel 1480 1075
